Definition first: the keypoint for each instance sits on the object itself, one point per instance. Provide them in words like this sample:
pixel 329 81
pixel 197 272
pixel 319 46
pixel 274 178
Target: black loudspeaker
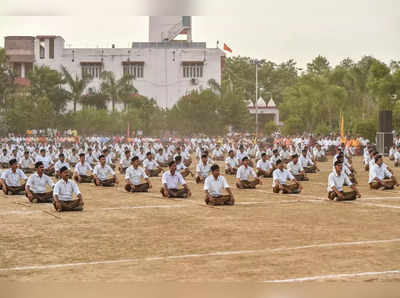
pixel 384 141
pixel 385 121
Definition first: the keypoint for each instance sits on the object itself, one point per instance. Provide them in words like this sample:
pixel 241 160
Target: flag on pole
pixel 128 130
pixel 226 48
pixel 342 140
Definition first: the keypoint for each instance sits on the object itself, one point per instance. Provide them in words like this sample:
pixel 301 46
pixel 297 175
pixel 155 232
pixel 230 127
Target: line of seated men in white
pixel 284 180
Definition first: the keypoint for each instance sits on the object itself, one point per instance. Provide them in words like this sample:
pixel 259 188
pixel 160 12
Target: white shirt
pixel 215 186
pixel 232 161
pixel 172 181
pixel 46 160
pixel 334 180
pixel 264 165
pixel 38 184
pixel 59 164
pixel 244 173
pixel 150 164
pixel 135 175
pixel 65 190
pixel 103 173
pixel 125 162
pixel 25 163
pixel 380 172
pixel 281 176
pixel 83 169
pixel 13 179
pixel 305 161
pixel 203 169
pixel 295 169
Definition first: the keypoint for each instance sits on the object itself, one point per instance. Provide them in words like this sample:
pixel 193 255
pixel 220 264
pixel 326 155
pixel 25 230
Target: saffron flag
pixel 342 139
pixel 226 48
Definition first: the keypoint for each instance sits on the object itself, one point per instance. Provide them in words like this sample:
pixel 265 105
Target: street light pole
pixel 256 98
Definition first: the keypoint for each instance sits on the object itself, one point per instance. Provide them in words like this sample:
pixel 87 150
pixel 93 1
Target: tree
pixel 117 90
pixel 319 66
pixel 94 99
pixel 77 86
pixel 46 82
pixel 7 86
pixel 270 127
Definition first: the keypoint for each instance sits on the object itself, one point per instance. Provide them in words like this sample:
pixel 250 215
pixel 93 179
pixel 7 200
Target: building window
pixel 192 70
pixel 92 70
pixel 28 68
pixel 51 48
pixel 135 69
pixel 42 51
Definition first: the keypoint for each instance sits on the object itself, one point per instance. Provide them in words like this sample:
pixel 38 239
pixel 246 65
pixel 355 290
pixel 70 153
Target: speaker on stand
pixel 384 136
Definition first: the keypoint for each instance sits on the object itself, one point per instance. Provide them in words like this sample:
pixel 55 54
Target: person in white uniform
pixel 63 193
pixel 35 189
pixel 336 182
pixel 134 176
pixel 11 179
pixel 214 186
pixel 283 180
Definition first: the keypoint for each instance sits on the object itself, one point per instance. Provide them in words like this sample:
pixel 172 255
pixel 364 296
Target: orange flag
pixel 226 48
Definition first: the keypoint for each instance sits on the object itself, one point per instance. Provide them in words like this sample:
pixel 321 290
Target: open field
pixel 264 237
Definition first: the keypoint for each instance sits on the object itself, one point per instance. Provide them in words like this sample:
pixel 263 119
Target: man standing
pixel 214 185
pixel 35 188
pixel 64 191
pixel 243 175
pixel 336 181
pixel 103 172
pixel 134 175
pixel 11 179
pixel 281 176
pixel 171 180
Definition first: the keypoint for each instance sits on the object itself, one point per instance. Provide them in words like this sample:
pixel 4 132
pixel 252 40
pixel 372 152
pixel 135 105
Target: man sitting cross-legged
pixel 61 163
pixel 336 181
pixel 203 169
pixel 151 167
pixel 380 176
pixel 308 165
pixel 181 168
pixel 26 163
pixel 125 162
pixel 231 163
pixel 214 185
pixel 82 169
pixel 11 179
pixel 171 180
pixel 281 176
pixel 296 169
pixel 64 191
pixel 264 166
pixel 134 175
pixel 243 175
pixel 102 173
pixel 35 188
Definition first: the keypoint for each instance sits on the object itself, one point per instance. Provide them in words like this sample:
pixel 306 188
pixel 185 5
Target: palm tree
pixel 76 85
pixel 117 90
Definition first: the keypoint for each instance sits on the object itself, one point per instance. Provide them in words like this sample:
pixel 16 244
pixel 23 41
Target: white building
pixel 164 68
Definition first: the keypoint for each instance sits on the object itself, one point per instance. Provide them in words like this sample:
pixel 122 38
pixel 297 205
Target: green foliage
pixel 76 86
pixel 367 128
pixel 270 127
pixel 293 125
pixel 7 86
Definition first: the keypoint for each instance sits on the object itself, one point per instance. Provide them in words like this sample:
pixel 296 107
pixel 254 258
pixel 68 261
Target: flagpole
pixel 256 98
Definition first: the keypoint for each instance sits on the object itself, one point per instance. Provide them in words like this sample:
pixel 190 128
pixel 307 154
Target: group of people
pixel 93 161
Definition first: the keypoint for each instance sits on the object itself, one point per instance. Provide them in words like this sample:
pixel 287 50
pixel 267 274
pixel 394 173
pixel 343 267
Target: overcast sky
pixel 274 30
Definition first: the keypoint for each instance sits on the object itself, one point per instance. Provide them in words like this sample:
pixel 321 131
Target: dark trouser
pixel 366 167
pixel 353 179
pixel 5 165
pixel 387 184
pixel 347 196
pixel 200 180
pixel 138 188
pixel 397 164
pixel 301 177
pixel 49 171
pixel 185 173
pixel 244 184
pixel 112 166
pixel 163 164
pixel 28 170
pixel 153 173
pixel 287 189
pixel 187 162
pixel 106 183
pixel 311 169
pixel 75 205
pixel 265 174
pixel 15 190
pixel 232 171
pixel 84 179
pixel 175 193
pixel 322 159
pixel 46 197
pixel 220 200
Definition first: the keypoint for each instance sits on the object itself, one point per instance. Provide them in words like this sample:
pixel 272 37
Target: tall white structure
pixel 164 68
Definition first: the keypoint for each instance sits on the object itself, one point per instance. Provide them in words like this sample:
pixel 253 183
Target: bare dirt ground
pixel 264 237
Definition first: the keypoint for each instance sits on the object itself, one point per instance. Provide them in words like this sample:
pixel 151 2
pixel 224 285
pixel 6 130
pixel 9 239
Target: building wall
pixel 163 72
